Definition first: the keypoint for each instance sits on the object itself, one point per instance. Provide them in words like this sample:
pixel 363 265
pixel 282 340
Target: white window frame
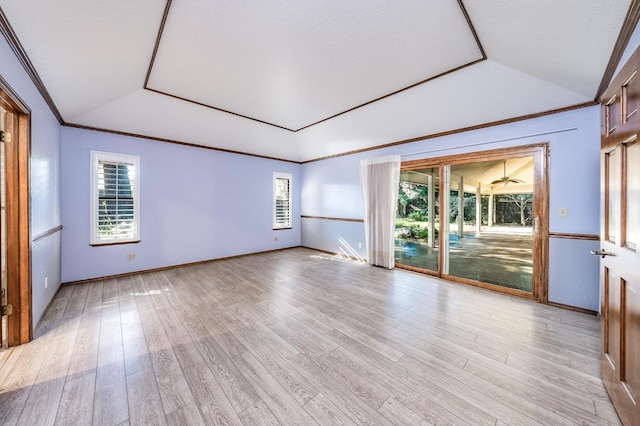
pixel 289 177
pixel 96 158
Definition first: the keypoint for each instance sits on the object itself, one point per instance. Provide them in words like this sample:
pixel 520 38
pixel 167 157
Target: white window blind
pixel 281 200
pixel 115 207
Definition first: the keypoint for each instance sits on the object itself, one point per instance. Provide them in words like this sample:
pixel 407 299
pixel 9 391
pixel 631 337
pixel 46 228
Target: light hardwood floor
pixel 301 337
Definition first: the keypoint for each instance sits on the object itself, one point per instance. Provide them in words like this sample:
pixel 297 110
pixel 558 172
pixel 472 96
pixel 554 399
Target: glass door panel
pixel 490 218
pixel 417 223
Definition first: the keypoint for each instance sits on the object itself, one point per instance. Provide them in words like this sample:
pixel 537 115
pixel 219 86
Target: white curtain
pixel 380 178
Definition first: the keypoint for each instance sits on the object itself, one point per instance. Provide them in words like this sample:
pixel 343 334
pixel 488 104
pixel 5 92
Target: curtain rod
pixel 569 129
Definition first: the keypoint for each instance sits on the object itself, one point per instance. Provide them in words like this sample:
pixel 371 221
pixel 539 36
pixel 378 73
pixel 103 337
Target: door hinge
pixel 6 310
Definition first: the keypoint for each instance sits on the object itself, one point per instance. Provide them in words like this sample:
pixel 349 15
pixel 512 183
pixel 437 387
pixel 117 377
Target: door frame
pixel 540 153
pixel 18 153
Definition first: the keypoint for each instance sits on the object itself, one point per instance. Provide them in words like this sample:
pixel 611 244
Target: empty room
pixel 301 212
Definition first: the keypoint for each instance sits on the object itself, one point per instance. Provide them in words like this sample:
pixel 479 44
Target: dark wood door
pixel 16 241
pixel 3 232
pixel 620 243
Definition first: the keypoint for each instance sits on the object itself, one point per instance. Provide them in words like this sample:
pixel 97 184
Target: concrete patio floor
pixel 502 256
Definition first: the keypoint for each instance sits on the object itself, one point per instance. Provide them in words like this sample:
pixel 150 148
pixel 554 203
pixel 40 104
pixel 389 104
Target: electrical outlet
pixel 360 244
pixel 131 256
pixel 46 282
pixel 275 239
pixel 563 212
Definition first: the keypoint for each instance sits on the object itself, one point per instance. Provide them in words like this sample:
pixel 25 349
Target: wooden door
pixel 620 243
pixel 16 236
pixel 3 233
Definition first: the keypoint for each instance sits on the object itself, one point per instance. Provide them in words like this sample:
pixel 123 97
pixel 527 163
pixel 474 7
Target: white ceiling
pixel 298 62
pixel 303 79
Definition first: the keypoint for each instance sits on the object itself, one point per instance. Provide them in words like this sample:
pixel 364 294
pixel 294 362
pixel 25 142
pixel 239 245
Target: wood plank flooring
pixel 301 337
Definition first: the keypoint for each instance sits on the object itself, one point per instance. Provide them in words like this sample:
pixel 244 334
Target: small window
pixel 115 207
pixel 281 201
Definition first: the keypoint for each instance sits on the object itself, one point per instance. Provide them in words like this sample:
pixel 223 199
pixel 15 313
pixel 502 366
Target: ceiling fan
pixel 505 180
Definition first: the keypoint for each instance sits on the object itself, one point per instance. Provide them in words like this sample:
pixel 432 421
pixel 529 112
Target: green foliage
pixel 422 233
pixel 413 198
pixel 412 232
pixel 418 216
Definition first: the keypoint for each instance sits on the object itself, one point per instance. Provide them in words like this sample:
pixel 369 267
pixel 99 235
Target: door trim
pixel 18 216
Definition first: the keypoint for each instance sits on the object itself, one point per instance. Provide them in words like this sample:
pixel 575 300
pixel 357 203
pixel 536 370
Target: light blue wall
pixel 45 182
pixel 331 188
pixel 572 267
pixel 195 204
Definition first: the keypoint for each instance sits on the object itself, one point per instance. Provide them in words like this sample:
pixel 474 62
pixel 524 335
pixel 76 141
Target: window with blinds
pixel 281 200
pixel 114 204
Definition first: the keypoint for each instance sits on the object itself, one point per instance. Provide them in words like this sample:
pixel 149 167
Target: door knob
pixel 602 253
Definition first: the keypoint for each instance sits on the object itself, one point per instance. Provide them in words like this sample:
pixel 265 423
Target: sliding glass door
pixel 498 249
pixel 478 218
pixel 418 224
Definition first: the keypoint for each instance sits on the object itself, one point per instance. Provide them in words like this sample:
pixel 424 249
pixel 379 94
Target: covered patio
pixel 488 220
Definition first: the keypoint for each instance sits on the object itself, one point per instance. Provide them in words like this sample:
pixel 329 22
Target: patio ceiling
pixel 482 174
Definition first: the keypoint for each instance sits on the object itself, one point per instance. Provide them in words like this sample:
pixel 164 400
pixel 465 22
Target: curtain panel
pixel 380 178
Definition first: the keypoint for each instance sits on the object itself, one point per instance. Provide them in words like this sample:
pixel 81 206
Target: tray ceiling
pixel 303 79
pixel 293 64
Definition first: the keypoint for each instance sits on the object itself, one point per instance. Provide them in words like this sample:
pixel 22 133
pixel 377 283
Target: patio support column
pixel 431 211
pixel 461 207
pixel 478 208
pixel 445 226
pixel 490 215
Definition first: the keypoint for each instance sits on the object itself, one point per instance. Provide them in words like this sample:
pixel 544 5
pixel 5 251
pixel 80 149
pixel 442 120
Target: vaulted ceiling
pixel 303 79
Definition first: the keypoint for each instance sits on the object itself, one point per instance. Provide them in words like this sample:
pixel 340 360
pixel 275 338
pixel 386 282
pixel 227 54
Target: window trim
pixel 289 177
pixel 96 157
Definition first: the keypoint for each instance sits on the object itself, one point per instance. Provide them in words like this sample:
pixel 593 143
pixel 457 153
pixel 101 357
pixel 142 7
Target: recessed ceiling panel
pixel 293 63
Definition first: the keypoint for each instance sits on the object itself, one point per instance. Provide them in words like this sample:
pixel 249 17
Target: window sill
pixel 114 243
